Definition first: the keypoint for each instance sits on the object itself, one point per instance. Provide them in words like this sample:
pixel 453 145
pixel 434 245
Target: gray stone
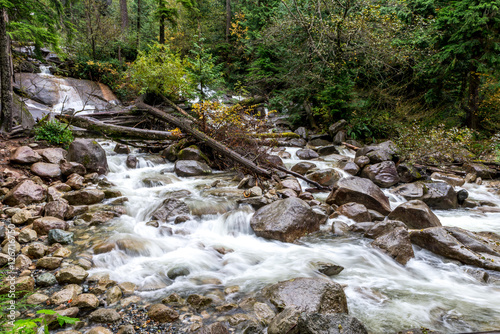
pixel 84 197
pixel 306 154
pixel 43 225
pixel 71 274
pixel 162 313
pixel 49 262
pixel 90 154
pixel 451 179
pixel 415 214
pixel 396 244
pixel 285 322
pixel 303 167
pixel 383 174
pixel 327 150
pixel 68 168
pixel 75 181
pixel 46 279
pixel 25 155
pixel 169 209
pixel 355 211
pixel 325 177
pixel 26 192
pixel 60 236
pixel 121 149
pixel 407 173
pixel 132 161
pixel 315 323
pixel 53 155
pixel 104 315
pixel 191 168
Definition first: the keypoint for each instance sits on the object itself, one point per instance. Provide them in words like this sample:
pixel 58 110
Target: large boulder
pixel 437 195
pixel 303 167
pixel 169 209
pixel 285 220
pixel 383 174
pixel 84 197
pixel 451 179
pixel 325 177
pixel 90 154
pixel 53 155
pixel 415 214
pixel 26 192
pixel 480 170
pixel 191 168
pixel 336 127
pixel 355 211
pixel 309 294
pixel 192 153
pixel 408 173
pixel 396 244
pixel 459 244
pixel 383 227
pixel 25 155
pixel 359 190
pixel 377 153
pixel 306 154
pixel 45 169
pixel 316 323
pixel 43 225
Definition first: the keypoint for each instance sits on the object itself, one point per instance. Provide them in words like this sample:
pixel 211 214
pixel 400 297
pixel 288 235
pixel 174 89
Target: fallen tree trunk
pixel 352 147
pixel 116 131
pixel 314 183
pixel 439 170
pixel 187 128
pixel 275 135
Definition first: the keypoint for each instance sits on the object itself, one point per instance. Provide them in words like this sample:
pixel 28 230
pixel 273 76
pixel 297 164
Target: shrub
pixel 55 133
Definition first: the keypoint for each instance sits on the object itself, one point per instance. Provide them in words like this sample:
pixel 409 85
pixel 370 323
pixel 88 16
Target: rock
pixel 440 196
pixel 132 161
pixel 43 225
pixel 26 235
pixel 62 297
pixel 121 149
pixel 357 212
pixel 336 127
pixel 309 294
pixel 192 153
pixel 60 236
pixel 383 174
pixel 68 168
pixel 306 154
pixel 191 168
pixel 470 178
pixel 36 250
pixel 458 244
pixel 253 192
pixel 291 183
pixel 274 160
pixel 62 252
pixel 53 155
pixel 215 328
pixel 351 168
pixel 169 209
pixel 462 195
pixel 71 274
pixel 328 269
pixel 26 192
pixel 383 227
pixel 319 142
pixel 410 191
pixel 25 155
pixel 86 301
pixel 325 177
pixel 90 154
pixel 22 262
pixel 396 244
pixel 327 150
pixel 316 323
pixel 126 329
pixel 162 313
pixel 75 181
pixel 59 209
pixel 339 228
pixel 177 272
pixel 99 330
pixel 84 197
pixel 263 313
pixel 303 167
pixel 359 190
pixel 198 301
pixel 255 202
pixel 480 170
pixel 378 153
pixel 46 279
pixel 104 315
pixel 285 322
pixel 407 173
pixel 127 288
pixel 302 132
pixel 361 161
pixel 37 298
pixel 415 214
pixel 451 179
pixel 285 220
pixel 297 142
pixel 113 295
pixel 21 217
pixel 132 246
pixel 49 262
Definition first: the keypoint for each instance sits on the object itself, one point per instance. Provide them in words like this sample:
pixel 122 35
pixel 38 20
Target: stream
pixel 218 249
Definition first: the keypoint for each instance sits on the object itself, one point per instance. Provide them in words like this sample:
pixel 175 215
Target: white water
pixel 429 291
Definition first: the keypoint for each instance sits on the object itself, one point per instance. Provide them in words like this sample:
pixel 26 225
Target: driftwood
pixel 177 108
pixel 115 131
pixel 439 170
pixel 198 135
pixel 352 147
pixel 314 183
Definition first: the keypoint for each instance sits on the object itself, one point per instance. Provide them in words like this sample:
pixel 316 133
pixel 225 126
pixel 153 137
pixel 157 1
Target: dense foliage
pixel 54 132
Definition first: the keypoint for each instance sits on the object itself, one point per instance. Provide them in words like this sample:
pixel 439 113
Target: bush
pixel 55 133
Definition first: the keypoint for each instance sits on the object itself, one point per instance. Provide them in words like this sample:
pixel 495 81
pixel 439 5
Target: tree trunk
pixel 228 19
pixel 124 14
pixel 138 23
pixel 116 131
pixel 473 105
pixel 162 29
pixel 222 149
pixel 5 75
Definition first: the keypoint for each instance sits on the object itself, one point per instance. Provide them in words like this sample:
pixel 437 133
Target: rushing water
pixel 429 291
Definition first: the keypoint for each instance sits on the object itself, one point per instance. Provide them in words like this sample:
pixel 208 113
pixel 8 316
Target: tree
pixel 124 14
pixel 467 44
pixel 5 74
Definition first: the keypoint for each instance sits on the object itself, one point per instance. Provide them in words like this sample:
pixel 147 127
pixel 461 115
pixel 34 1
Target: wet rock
pixel 58 209
pixel 361 161
pixel 274 160
pixel 60 236
pixel 458 244
pixel 319 142
pixel 255 202
pixel 302 132
pixel 84 197
pixel 191 168
pixel 451 179
pixel 121 149
pixel 315 323
pixel 462 195
pixel 21 217
pixel 263 313
pixel 325 177
pixel 26 192
pixel 177 272
pixel 383 174
pixel 162 313
pixel 407 173
pixel 75 181
pixel 291 183
pixel 361 227
pixel 328 269
pixel 90 154
pixel 396 244
pixel 306 154
pixel 86 301
pixel 99 217
pixel 440 196
pixel 383 227
pixel 285 322
pixel 53 155
pixel 199 301
pixel 297 142
pixel 132 161
pixel 336 127
pixel 309 294
pixel 26 235
pixel 104 315
pixel 37 298
pixel 25 155
pixel 132 246
pixel 303 167
pixel 410 191
pixel 415 214
pixel 113 295
pixel 253 192
pixel 357 212
pixel 327 150
pixel 480 170
pixel 36 250
pixel 359 190
pixel 71 274
pixel 43 225
pixel 351 168
pixel 49 262
pixel 192 153
pixel 68 168
pixel 285 220
pixel 46 279
pixel 339 228
pixel 215 328
pixel 169 209
pixel 127 288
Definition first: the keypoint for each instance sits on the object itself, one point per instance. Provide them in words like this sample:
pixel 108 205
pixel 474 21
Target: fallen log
pixel 275 135
pixel 439 170
pixel 116 131
pixel 198 135
pixel 314 183
pixel 352 147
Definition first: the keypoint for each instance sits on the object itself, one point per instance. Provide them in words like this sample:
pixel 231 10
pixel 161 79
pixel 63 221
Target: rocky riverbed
pixel 133 242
